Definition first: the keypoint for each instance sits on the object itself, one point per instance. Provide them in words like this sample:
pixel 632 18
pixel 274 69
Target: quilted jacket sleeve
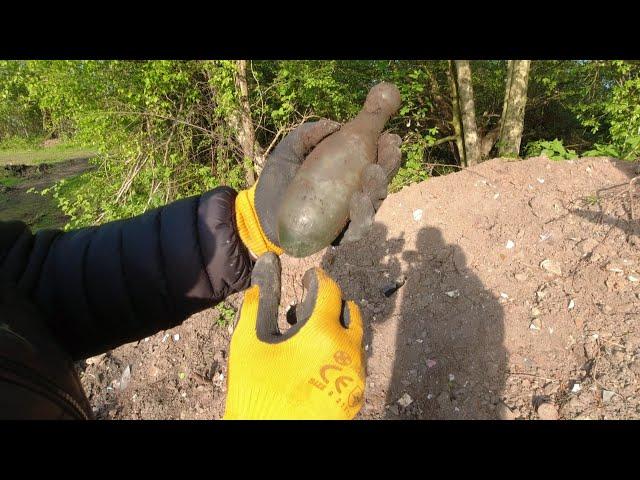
pixel 100 287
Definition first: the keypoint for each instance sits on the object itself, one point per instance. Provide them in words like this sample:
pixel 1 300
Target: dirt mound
pixel 520 300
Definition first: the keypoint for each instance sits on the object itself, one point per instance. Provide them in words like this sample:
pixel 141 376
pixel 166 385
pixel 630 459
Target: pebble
pixel 576 388
pixel 535 324
pixel 510 245
pixel 405 400
pixel 535 312
pixel 586 246
pixel 176 337
pixel 551 267
pixel 571 304
pixel 95 360
pixel 504 412
pixel 607 395
pixel 633 278
pixel 453 293
pixel 521 277
pixel 547 411
pixel 417 215
pixel 124 379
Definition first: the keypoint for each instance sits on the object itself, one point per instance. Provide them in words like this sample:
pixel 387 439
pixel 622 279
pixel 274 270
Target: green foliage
pixel 554 150
pixel 164 130
pixel 226 315
pixel 626 149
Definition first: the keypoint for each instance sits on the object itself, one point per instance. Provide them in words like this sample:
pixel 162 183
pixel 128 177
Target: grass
pixel 36 210
pixel 36 156
pixel 592 200
pixel 10 181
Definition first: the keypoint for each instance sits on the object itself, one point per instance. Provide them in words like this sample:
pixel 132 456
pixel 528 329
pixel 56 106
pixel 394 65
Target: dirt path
pixel 478 330
pixel 17 203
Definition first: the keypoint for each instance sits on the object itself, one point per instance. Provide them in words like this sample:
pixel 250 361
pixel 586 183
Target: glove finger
pixel 295 146
pixel 389 154
pixel 375 184
pixel 361 213
pixel 266 275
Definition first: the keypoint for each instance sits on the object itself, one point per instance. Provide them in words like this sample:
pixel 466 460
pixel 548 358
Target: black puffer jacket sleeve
pixel 100 287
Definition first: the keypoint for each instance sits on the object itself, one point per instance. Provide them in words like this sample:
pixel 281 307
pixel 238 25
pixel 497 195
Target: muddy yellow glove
pixel 257 208
pixel 315 370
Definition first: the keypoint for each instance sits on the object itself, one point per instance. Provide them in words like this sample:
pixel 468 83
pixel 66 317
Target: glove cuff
pixel 249 228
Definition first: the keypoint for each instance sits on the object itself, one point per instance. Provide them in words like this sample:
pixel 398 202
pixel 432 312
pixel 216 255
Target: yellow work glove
pixel 257 207
pixel 314 370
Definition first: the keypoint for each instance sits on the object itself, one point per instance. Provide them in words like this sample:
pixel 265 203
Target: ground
pixel 520 300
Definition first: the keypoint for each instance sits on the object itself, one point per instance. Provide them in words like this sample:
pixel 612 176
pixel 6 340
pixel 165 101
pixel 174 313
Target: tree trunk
pixel 455 109
pixel 243 125
pixel 512 121
pixel 467 112
pixel 488 141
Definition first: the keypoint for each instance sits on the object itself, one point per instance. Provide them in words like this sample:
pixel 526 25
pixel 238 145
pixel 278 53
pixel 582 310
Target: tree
pixel 464 91
pixel 513 110
pixel 240 121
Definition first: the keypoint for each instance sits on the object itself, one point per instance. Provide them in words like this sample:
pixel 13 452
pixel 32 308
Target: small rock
pixel 417 215
pixel 124 379
pixel 95 360
pixel 431 363
pixel 551 267
pixel 444 400
pixel 535 312
pixel 453 293
pixel 405 400
pixel 176 337
pixel 576 388
pixel 394 409
pixel 504 412
pixel 535 324
pixel 615 268
pixel 510 245
pixel 607 395
pixel 521 277
pixel 164 338
pixel 571 304
pixel 586 246
pixel 547 411
pixel 551 388
pixel 633 278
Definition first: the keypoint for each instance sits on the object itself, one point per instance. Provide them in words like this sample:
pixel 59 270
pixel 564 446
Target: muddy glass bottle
pixel 315 207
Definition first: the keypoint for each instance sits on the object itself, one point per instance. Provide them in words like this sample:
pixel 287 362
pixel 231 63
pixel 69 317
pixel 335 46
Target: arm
pixel 100 287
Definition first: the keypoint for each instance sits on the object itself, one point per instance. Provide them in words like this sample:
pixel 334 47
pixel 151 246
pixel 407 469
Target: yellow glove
pixel 315 370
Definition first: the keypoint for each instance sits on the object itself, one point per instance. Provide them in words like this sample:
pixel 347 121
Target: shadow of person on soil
pixel 448 352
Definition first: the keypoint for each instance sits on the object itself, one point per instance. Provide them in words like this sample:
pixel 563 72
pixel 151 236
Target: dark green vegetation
pixel 163 130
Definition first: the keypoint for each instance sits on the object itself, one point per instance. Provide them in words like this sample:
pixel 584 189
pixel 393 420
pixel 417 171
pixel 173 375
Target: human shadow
pixel 438 346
